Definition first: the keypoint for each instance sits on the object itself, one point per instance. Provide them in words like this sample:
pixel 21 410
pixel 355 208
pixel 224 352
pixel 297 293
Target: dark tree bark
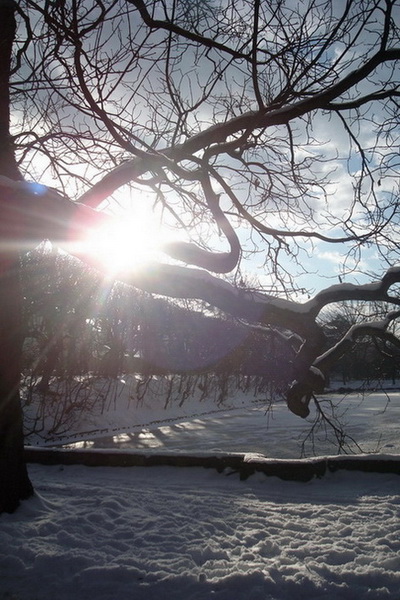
pixel 14 481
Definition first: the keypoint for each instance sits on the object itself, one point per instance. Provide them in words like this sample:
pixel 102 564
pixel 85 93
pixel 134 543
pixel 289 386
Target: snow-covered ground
pixel 195 534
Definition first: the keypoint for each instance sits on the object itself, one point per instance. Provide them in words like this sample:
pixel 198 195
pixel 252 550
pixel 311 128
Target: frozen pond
pixel 241 424
pixel 373 421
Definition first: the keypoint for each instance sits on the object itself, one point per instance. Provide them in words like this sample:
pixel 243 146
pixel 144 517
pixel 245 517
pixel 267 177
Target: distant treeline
pixel 77 322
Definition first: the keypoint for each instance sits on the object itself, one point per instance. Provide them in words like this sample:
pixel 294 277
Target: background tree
pixel 370 360
pixel 256 129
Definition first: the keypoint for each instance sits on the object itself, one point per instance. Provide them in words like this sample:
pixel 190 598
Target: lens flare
pixel 124 244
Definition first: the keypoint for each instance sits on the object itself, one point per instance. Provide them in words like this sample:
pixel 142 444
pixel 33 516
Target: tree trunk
pixel 14 480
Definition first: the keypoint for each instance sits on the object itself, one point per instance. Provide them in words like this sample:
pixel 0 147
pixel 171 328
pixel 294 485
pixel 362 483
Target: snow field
pixel 194 534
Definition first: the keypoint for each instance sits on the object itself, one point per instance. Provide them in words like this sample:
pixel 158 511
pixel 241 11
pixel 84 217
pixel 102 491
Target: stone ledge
pixel 244 464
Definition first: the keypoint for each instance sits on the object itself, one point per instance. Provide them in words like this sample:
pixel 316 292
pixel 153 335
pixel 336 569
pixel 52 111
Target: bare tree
pixel 240 120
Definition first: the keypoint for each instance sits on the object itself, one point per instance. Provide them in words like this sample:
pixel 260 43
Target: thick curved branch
pixel 347 343
pixel 45 214
pixel 251 306
pixel 49 215
pixel 370 292
pixel 31 213
pixel 313 380
pixel 217 262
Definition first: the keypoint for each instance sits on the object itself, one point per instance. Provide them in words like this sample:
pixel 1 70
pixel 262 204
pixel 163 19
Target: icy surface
pixel 243 423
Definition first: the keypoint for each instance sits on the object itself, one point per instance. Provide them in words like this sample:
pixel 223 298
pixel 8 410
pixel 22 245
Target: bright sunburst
pixel 124 243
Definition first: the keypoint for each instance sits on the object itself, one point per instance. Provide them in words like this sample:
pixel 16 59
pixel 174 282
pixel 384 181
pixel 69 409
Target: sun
pixel 125 243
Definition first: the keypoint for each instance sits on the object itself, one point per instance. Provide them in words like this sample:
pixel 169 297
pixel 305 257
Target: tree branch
pixel 217 262
pixel 345 345
pixel 376 291
pixel 218 134
pixel 185 33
